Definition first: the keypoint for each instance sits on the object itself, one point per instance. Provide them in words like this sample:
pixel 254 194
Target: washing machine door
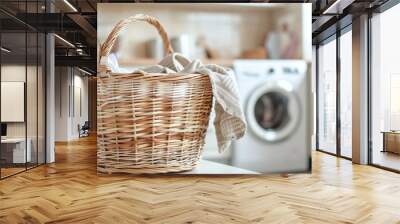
pixel 273 111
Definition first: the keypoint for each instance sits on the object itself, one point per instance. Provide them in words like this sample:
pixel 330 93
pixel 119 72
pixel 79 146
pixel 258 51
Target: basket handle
pixel 106 47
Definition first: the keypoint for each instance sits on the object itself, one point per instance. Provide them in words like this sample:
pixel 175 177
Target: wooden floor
pixel 5 172
pixel 70 191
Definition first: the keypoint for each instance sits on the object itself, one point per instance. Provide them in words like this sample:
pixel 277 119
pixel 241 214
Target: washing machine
pixel 276 99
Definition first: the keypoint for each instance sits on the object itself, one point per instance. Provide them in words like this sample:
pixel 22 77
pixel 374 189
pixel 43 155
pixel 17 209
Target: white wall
pixel 79 117
pixel 69 81
pixel 62 81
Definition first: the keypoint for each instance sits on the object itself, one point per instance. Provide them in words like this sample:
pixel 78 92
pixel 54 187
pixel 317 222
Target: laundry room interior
pixel 267 42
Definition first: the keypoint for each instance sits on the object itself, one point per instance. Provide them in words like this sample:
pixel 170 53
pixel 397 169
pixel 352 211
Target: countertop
pixel 209 167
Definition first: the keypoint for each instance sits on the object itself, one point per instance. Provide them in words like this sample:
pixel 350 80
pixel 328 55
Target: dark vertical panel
pixel 26 79
pixel 369 78
pixel 44 76
pixel 45 87
pixel 37 91
pixel 338 74
pixel 317 96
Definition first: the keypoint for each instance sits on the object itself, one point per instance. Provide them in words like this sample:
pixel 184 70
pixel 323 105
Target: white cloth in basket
pixel 112 63
pixel 230 123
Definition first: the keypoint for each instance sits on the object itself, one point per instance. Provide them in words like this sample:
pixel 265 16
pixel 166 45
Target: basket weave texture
pixel 153 123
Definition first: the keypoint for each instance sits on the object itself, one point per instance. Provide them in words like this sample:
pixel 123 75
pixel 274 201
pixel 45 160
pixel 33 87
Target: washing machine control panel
pixel 271 71
pixel 270 67
pixel 252 72
pixel 290 70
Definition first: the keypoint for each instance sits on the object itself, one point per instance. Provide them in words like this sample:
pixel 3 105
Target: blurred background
pixel 218 32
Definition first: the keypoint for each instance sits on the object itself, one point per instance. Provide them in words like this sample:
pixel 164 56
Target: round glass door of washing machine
pixel 273 111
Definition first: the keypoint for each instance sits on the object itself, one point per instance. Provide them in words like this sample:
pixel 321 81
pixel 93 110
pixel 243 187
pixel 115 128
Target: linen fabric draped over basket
pixel 154 119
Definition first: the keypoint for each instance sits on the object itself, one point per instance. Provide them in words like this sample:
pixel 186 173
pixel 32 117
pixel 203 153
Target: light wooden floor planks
pixel 70 191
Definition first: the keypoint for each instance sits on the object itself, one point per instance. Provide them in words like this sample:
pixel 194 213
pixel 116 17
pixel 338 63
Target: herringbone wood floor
pixel 70 191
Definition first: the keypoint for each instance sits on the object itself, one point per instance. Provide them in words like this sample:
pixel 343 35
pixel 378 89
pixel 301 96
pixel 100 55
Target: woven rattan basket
pixel 149 123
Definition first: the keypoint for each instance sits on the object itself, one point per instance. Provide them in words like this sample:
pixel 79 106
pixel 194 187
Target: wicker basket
pixel 150 123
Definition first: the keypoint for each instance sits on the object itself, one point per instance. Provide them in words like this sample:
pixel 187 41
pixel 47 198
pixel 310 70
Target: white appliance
pixel 276 98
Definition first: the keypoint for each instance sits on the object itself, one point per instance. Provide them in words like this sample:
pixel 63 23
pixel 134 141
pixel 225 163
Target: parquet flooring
pixel 10 171
pixel 70 191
